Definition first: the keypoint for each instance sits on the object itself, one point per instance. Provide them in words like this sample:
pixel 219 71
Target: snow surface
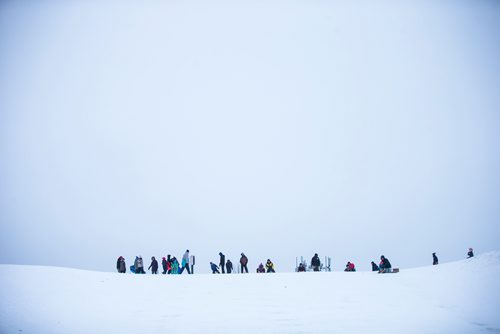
pixel 457 297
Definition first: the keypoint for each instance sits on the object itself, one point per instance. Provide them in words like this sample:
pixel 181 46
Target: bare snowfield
pixel 458 297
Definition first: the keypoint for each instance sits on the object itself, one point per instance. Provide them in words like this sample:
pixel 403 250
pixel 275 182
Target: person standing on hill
pixel 120 265
pixel 315 262
pixel 222 262
pixel 169 264
pixel 470 253
pixel 185 262
pixel 435 260
pixel 175 266
pixel 375 267
pixel 153 266
pixel 244 262
pixel 229 266
pixel 164 265
pixel 139 265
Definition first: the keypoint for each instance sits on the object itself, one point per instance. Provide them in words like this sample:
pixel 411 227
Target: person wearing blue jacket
pixel 215 268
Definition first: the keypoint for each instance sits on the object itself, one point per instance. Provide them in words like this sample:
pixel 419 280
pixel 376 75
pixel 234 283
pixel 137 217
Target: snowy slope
pixel 458 297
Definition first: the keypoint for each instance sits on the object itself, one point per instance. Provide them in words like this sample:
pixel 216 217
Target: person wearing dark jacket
pixel 215 269
pixel 385 266
pixel 244 262
pixel 222 262
pixel 301 268
pixel 435 260
pixel 120 265
pixel 470 253
pixel 153 266
pixel 375 267
pixel 315 262
pixel 169 264
pixel 164 265
pixel 229 266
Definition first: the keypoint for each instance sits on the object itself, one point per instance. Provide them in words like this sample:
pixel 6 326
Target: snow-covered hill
pixel 458 297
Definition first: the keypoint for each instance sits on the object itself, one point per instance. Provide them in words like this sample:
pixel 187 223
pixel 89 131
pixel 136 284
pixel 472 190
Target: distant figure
pixel 139 265
pixel 350 267
pixel 261 269
pixel 169 264
pixel 244 262
pixel 120 265
pixel 470 253
pixel 270 266
pixel 301 268
pixel 215 269
pixel 222 262
pixel 185 262
pixel 164 265
pixel 175 266
pixel 435 260
pixel 153 266
pixel 229 266
pixel 385 265
pixel 374 266
pixel 315 262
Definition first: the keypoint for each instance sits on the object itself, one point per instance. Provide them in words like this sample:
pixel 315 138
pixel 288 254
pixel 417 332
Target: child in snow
pixel 229 266
pixel 350 267
pixel 385 265
pixel 270 266
pixel 301 268
pixel 175 266
pixel 261 269
pixel 215 268
pixel 375 267
pixel 470 253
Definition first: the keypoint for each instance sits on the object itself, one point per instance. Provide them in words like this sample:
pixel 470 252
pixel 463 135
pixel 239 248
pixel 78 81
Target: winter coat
pixel 139 264
pixel 315 262
pixel 118 263
pixel 261 269
pixel 214 267
pixel 164 264
pixel 244 260
pixel 351 267
pixel 222 259
pixel 434 259
pixel 269 266
pixel 374 267
pixel 229 266
pixel 185 259
pixel 123 267
pixel 153 265
pixel 387 264
pixel 470 254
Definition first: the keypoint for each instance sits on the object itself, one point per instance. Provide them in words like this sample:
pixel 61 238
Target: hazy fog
pixel 276 128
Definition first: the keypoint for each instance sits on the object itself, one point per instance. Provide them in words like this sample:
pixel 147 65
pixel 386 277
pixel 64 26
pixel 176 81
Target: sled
pixel 132 269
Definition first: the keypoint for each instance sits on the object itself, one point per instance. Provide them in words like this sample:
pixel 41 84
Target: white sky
pixel 276 128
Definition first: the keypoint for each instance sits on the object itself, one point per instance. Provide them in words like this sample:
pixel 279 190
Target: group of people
pixel 171 265
pixel 243 263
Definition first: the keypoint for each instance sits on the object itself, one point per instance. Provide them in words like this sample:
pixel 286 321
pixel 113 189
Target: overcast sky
pixel 274 128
